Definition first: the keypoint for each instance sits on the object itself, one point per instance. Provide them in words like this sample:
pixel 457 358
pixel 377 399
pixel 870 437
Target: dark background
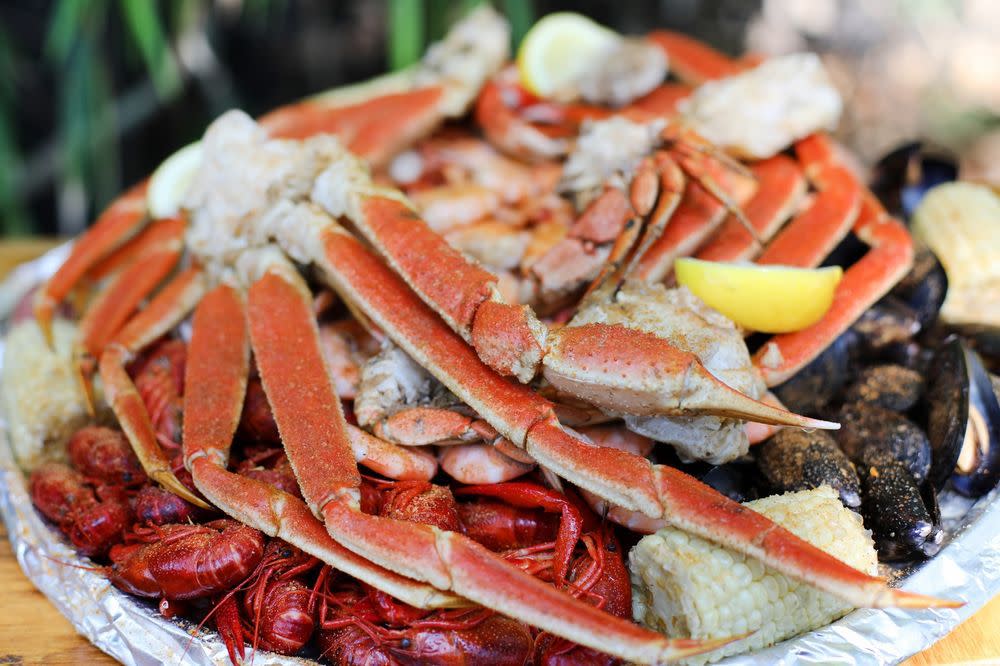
pixel 95 93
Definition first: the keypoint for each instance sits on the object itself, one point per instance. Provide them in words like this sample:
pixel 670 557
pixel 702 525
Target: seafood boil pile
pixel 426 370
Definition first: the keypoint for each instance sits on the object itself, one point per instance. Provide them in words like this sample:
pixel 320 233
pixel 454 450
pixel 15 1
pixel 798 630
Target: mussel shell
pixel 872 435
pixel 890 321
pixel 924 288
pixel 812 388
pixel 910 354
pixel 930 499
pixel 890 386
pixel 947 408
pixel 984 422
pixel 894 510
pixel 794 459
pixel 734 480
pixel 738 480
pixel 983 338
pixel 902 177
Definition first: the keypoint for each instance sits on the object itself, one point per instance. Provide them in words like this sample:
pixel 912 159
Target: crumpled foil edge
pixel 133 632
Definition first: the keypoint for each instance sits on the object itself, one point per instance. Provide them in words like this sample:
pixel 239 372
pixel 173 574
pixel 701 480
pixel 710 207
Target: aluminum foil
pixel 131 630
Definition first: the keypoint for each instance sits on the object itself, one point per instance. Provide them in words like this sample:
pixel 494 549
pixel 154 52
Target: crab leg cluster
pixel 622 478
pixel 841 205
pixel 400 278
pixel 465 296
pixel 215 381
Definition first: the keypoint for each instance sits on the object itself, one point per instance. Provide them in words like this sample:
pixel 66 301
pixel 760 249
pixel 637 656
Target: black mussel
pixel 930 499
pixel 873 435
pixel 848 252
pixel 889 321
pixel 910 354
pixel 901 178
pixel 891 386
pixel 894 511
pixel 798 460
pixel 812 388
pixel 734 480
pixel 978 466
pixel 983 338
pixel 947 408
pixel 738 480
pixel 924 287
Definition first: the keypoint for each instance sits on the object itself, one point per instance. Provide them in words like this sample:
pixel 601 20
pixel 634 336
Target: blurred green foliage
pixel 92 46
pixel 414 24
pixel 86 124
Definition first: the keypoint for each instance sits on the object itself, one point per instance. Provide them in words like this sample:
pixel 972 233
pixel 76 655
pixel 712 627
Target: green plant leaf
pixel 437 18
pixel 147 32
pixel 406 32
pixel 521 14
pixel 13 218
pixel 64 26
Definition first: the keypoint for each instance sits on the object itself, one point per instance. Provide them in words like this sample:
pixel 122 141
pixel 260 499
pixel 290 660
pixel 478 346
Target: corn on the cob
pixel 685 586
pixel 42 396
pixel 960 222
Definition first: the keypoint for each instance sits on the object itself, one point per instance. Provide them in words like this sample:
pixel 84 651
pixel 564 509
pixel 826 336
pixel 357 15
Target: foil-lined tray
pixel 132 631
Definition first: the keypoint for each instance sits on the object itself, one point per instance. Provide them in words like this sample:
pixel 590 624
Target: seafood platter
pixel 608 357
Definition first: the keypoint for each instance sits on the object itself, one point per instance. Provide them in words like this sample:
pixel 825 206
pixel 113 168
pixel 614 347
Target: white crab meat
pixel 761 112
pixel 685 321
pixel 390 381
pixel 608 152
pixel 252 190
pixel 473 51
pixel 629 70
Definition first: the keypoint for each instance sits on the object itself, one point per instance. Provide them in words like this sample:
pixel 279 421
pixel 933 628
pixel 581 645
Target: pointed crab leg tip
pixel 904 599
pixel 819 424
pixel 742 406
pixel 45 324
pixel 689 647
pixel 86 384
pixel 172 484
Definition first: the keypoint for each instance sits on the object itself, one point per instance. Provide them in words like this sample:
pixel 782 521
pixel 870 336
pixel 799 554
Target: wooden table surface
pixel 33 632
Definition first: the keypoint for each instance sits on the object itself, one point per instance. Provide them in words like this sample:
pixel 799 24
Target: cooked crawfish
pixel 350 634
pixel 105 456
pixel 278 603
pixel 94 518
pixel 182 562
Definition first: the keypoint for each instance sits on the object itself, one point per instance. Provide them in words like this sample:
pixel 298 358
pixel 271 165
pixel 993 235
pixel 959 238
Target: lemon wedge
pixel 558 49
pixel 171 181
pixel 770 299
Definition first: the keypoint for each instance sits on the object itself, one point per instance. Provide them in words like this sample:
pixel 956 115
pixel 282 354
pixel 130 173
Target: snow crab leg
pixel 376 119
pixel 122 219
pixel 843 204
pixel 780 186
pixel 157 250
pixel 513 339
pixel 625 480
pixel 216 375
pixel 285 340
pixel 163 313
pixel 379 118
pixel 889 258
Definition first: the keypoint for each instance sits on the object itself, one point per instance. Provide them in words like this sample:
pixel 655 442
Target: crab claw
pixel 626 370
pixel 164 312
pixel 115 225
pixel 128 406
